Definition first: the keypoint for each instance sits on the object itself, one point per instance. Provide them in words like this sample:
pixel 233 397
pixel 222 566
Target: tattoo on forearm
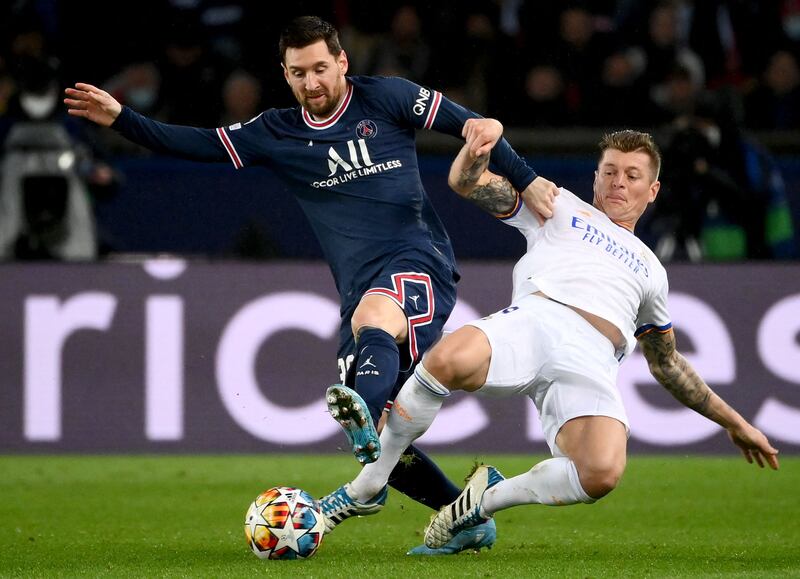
pixel 497 196
pixel 469 175
pixel 673 372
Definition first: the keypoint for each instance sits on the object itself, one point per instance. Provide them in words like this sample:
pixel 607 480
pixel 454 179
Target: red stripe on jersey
pixel 331 120
pixel 437 99
pixel 398 295
pixel 226 142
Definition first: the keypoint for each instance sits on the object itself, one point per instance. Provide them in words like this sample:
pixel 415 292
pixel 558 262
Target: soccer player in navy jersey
pixel 349 153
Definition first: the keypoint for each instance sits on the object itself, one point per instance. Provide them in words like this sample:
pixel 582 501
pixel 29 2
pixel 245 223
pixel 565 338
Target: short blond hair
pixel 629 141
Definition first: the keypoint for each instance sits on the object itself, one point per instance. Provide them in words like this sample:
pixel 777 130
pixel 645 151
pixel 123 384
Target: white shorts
pixel 548 352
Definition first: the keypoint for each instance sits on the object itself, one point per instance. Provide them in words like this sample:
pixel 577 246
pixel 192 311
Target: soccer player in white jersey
pixel 584 291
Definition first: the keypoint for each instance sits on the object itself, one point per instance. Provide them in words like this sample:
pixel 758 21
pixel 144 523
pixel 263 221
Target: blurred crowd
pixel 708 70
pixel 565 63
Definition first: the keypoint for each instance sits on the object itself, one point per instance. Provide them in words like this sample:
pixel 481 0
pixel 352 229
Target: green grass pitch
pixel 182 516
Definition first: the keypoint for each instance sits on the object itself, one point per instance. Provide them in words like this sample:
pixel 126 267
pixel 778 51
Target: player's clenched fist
pixel 90 102
pixel 481 135
pixel 540 196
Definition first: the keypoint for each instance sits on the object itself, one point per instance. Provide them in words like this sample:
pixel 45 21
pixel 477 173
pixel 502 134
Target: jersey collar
pixel 331 120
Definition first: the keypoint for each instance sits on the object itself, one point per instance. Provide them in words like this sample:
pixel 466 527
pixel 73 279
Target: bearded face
pixel 316 77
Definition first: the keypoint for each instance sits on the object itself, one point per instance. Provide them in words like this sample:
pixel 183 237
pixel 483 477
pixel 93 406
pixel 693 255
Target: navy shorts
pixel 426 298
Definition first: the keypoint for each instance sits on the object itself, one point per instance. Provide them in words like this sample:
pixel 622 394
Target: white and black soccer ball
pixel 284 523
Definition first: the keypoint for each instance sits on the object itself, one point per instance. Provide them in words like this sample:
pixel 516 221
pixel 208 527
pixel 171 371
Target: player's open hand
pixel 540 197
pixel 754 446
pixel 90 102
pixel 481 135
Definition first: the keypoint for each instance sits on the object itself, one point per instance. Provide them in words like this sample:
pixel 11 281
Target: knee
pixel 442 362
pixel 381 314
pixel 600 477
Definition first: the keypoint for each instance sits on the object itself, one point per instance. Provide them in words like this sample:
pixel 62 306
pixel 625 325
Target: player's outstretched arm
pixel 89 102
pixel 675 373
pixel 470 178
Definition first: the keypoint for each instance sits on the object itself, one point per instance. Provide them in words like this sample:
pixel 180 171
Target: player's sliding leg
pixel 552 482
pixel 595 448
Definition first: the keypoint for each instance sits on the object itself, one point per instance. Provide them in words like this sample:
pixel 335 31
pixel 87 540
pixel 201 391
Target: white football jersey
pixel 581 258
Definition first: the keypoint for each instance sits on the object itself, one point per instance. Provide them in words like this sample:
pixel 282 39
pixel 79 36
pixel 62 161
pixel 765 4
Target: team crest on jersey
pixel 366 129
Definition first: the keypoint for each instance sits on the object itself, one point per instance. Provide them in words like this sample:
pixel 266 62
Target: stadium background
pixel 142 353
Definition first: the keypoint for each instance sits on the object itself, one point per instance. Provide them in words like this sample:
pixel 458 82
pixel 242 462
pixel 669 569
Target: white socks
pixel 414 409
pixel 552 482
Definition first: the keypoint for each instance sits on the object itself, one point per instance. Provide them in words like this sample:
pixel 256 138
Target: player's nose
pixel 312 82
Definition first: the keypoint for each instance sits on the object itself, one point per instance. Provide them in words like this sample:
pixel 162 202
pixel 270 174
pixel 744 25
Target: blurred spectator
pixel 579 53
pixel 241 97
pixel 477 58
pixel 138 86
pixel 46 174
pixel 664 51
pixel 725 193
pixel 222 23
pixel 404 51
pixel 189 69
pixel 676 96
pixel 621 84
pixel 775 102
pixel 734 38
pixel 790 19
pixel 546 105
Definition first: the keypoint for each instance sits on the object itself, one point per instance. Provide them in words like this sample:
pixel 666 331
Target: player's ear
pixel 654 189
pixel 342 61
pixel 285 72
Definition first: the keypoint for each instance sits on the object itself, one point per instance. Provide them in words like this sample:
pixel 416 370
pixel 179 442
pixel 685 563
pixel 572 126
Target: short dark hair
pixel 629 141
pixel 306 30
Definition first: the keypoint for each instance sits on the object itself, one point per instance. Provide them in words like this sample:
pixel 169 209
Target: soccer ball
pixel 284 523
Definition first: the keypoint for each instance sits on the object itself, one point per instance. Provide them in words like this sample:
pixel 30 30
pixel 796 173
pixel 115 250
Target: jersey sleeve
pixel 653 314
pixel 427 109
pixel 520 217
pixel 250 143
pixel 185 142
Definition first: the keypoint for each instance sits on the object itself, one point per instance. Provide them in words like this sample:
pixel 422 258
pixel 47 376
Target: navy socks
pixel 377 365
pixel 418 477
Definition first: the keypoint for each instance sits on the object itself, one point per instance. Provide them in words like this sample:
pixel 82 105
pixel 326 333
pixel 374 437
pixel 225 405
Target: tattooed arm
pixel 675 373
pixel 470 178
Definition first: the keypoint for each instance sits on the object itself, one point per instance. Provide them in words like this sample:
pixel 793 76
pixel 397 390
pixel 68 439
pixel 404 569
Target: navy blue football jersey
pixel 355 174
